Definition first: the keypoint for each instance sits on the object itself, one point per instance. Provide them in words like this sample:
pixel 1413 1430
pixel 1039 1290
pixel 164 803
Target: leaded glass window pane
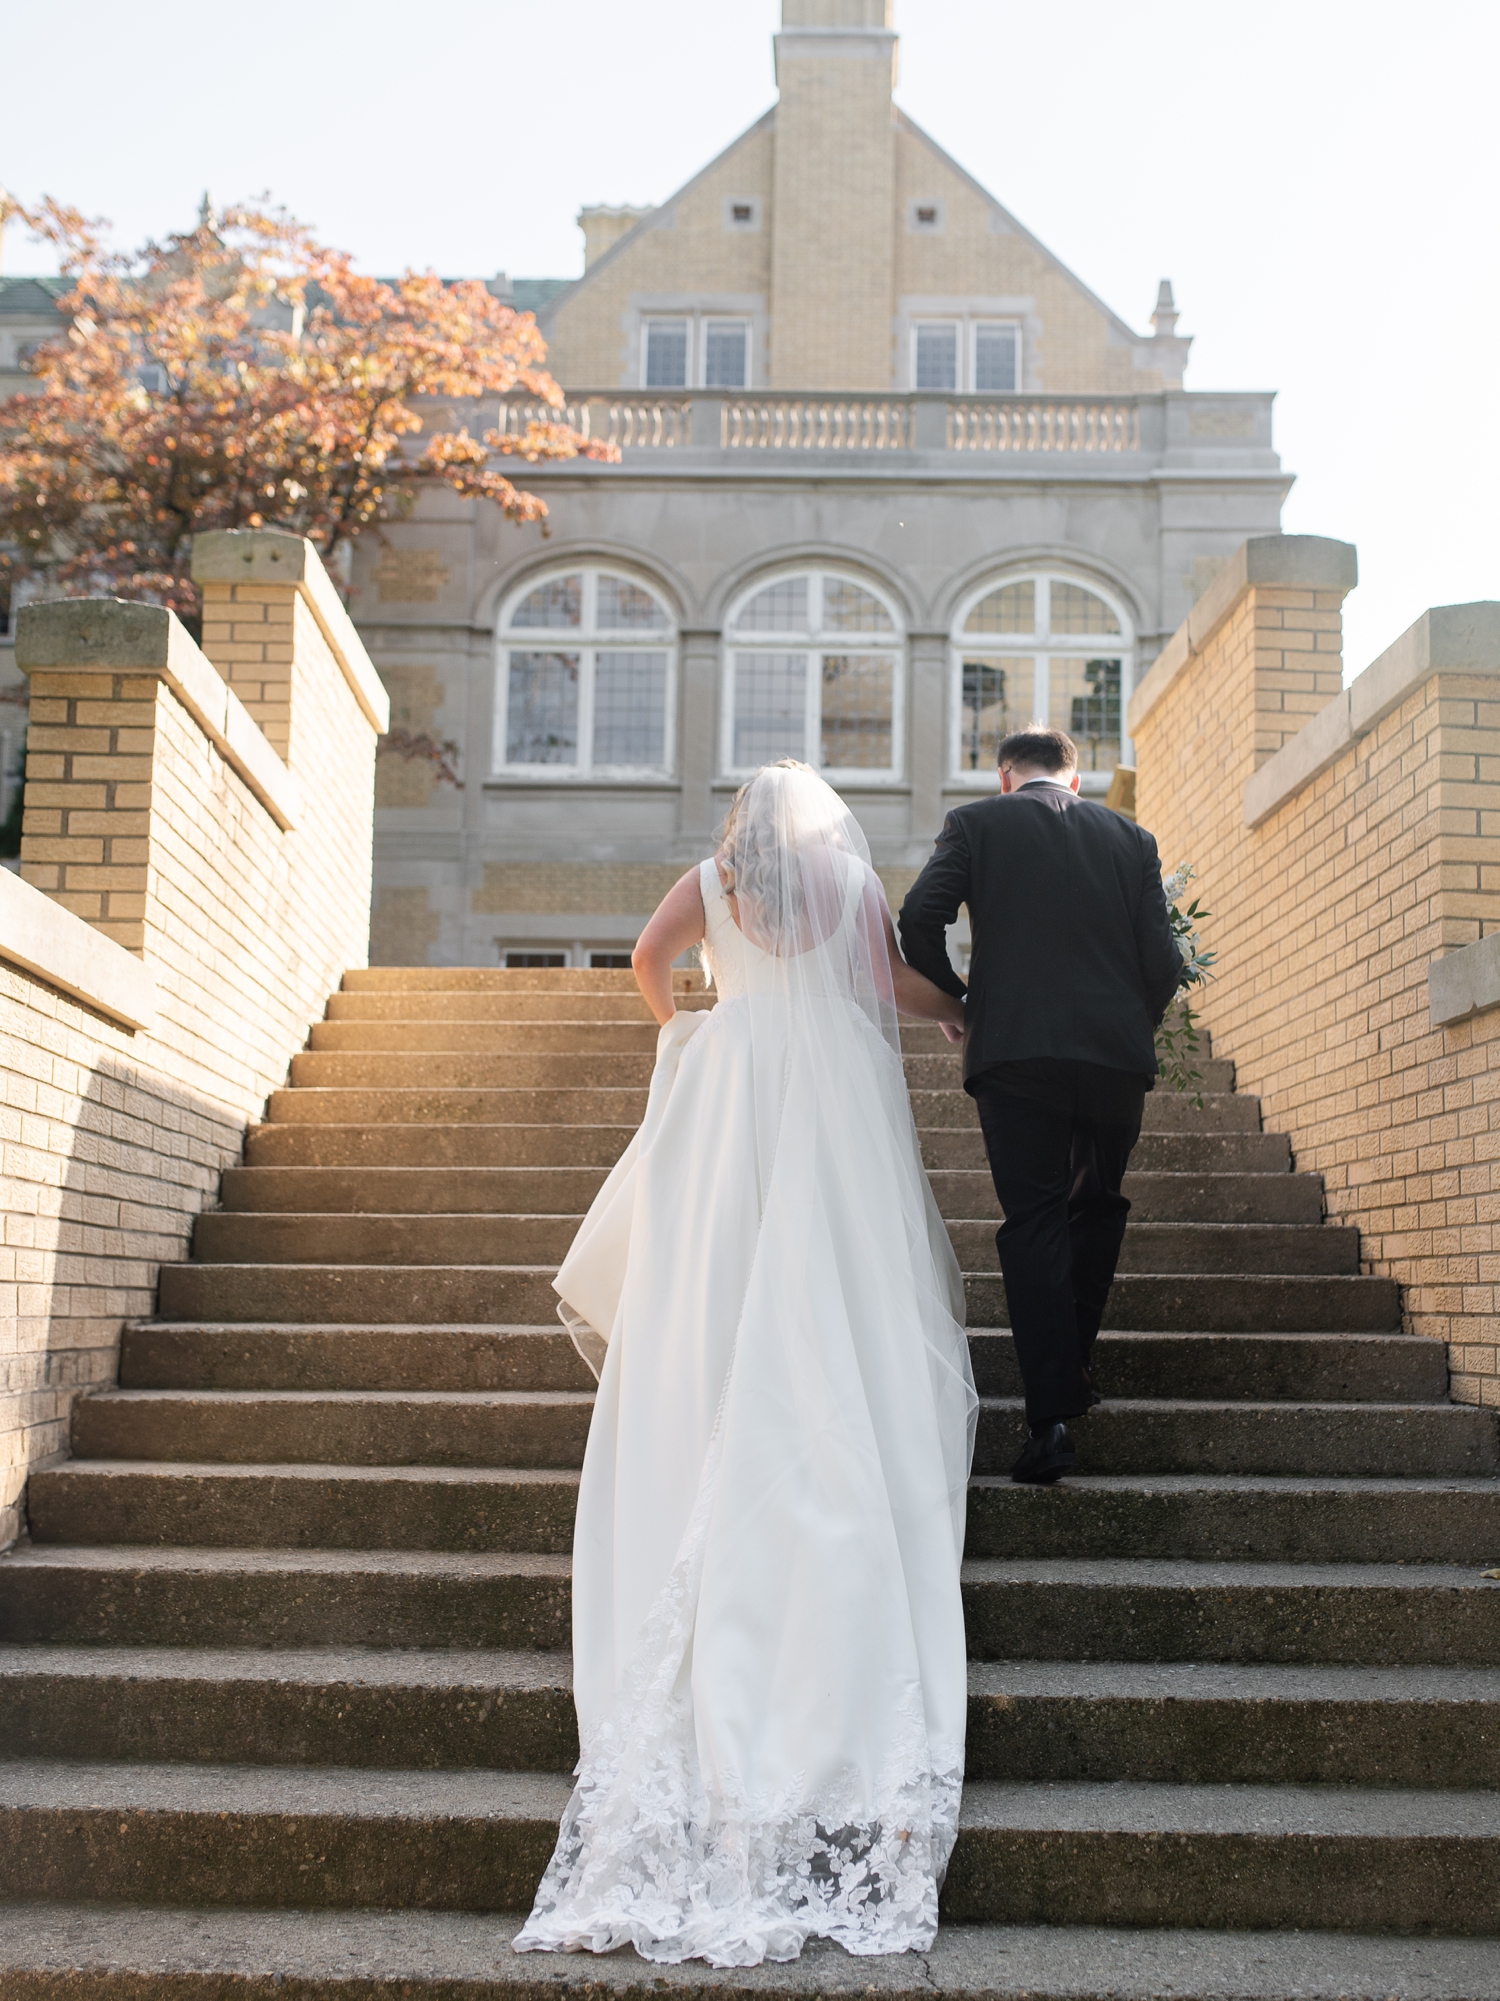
pixel 624 606
pixel 557 602
pixel 847 608
pixel 1012 608
pixel 666 354
pixel 937 356
pixel 780 607
pixel 630 709
pixel 541 713
pixel 857 691
pixel 995 694
pixel 997 352
pixel 1076 610
pixel 725 352
pixel 1084 697
pixel 770 708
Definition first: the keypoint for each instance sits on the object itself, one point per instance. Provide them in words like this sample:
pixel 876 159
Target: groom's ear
pixel 1073 782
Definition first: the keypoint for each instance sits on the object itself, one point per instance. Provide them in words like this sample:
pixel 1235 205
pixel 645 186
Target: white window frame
pixel 698 324
pixel 989 320
pixel 814 643
pixel 1041 646
pixel 587 639
pixel 966 357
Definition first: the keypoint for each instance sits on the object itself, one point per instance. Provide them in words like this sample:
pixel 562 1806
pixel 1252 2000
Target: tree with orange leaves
pixel 243 375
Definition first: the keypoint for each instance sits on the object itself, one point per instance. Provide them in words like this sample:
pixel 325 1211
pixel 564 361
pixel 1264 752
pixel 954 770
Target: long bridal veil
pixel 769 1653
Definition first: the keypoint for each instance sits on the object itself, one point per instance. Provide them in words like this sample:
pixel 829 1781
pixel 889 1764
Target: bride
pixel 768 1639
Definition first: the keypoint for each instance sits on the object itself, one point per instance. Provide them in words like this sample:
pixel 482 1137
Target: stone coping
pixel 43 938
pixel 1277 562
pixel 116 636
pixel 1464 983
pixel 1457 638
pixel 272 556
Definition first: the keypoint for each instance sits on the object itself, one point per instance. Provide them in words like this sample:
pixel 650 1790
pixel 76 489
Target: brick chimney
pixel 833 248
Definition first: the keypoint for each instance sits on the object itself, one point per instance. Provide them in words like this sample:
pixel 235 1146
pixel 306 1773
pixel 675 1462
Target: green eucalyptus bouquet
pixel 1177 1040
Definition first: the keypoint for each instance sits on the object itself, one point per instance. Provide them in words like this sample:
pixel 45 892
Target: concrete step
pixel 551 1036
pixel 1278 1438
pixel 1232 1856
pixel 236 1237
pixel 1418 1727
pixel 1181 1153
pixel 1165 1111
pixel 1240 1517
pixel 417 1072
pixel 1296 1368
pixel 503 1295
pixel 555 980
pixel 306 1507
pixel 513 1295
pixel 452 1710
pixel 509 1005
pixel 437 1146
pixel 231 1237
pixel 969 1192
pixel 131 1597
pixel 438 1106
pixel 1229 1248
pixel 339 1428
pixel 1155 1609
pixel 940 1068
pixel 1261 1368
pixel 425 1191
pixel 124 1952
pixel 1231 1304
pixel 225 1355
pixel 549 1428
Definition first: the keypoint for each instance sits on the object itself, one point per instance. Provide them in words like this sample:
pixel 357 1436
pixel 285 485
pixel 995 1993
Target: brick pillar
pixel 249 634
pixel 1299 656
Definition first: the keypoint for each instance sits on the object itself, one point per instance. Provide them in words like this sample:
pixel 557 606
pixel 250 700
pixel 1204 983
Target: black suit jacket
pixel 1073 954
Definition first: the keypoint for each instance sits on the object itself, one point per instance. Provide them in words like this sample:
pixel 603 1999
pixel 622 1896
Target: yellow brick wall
pixel 1325 919
pixel 112 1141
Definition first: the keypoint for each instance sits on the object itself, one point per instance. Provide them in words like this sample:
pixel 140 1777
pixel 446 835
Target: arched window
pixel 813 669
pixel 587 671
pixel 1035 646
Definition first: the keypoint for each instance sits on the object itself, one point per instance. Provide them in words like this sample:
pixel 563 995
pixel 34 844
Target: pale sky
pixel 1318 178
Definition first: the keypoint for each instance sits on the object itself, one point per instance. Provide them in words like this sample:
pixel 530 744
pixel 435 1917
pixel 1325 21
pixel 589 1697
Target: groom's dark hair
pixel 1039 749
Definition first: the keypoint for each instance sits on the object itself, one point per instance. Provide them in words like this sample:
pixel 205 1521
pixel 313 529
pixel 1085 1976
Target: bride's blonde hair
pixel 724 852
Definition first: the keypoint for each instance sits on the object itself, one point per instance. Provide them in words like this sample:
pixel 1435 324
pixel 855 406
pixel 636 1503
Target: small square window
pixel 935 355
pixel 666 354
pixel 741 212
pixel 925 217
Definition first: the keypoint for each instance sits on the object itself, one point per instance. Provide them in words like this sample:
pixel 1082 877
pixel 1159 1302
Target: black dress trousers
pixel 1058 1135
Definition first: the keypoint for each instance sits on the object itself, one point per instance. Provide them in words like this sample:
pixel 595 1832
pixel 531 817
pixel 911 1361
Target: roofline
pixel 648 222
pixel 1122 326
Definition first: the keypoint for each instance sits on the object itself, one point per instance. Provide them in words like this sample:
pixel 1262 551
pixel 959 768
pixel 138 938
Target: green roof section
pixel 31 295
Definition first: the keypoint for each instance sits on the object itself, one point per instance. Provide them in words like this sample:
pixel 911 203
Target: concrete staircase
pixel 284 1682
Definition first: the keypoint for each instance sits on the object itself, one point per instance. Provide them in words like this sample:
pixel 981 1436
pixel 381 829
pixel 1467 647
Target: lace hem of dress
pixel 737 1888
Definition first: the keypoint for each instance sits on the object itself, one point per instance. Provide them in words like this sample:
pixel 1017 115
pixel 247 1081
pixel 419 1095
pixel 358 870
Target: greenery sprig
pixel 1178 1040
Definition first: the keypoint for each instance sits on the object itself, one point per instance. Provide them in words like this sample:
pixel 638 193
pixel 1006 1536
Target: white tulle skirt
pixel 768 1636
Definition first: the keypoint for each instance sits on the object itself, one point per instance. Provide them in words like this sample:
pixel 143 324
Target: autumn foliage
pixel 244 375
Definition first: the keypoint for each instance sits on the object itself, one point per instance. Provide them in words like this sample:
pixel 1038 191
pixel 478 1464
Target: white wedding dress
pixel 769 1657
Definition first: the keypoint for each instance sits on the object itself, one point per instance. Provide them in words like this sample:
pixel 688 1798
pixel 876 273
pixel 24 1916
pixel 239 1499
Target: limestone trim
pixel 1273 562
pixel 272 556
pixel 1464 638
pixel 1464 983
pixel 49 942
pixel 147 639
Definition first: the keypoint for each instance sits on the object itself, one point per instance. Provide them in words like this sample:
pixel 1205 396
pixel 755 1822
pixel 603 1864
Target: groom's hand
pixel 953 1034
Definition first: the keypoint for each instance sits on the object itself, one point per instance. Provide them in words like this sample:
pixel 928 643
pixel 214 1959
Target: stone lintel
pixel 272 556
pixel 1451 638
pixel 44 939
pixel 115 636
pixel 1269 562
pixel 1464 983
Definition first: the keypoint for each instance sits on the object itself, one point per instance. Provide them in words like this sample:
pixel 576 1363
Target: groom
pixel 1072 968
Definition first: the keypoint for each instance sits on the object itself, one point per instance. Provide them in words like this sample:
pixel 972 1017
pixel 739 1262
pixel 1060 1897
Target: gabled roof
pixel 910 125
pixel 32 295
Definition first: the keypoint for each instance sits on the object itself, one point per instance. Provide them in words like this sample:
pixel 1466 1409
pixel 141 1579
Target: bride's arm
pixel 915 993
pixel 676 924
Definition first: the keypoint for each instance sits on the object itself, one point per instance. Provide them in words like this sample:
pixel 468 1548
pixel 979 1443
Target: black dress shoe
pixel 1047 1455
